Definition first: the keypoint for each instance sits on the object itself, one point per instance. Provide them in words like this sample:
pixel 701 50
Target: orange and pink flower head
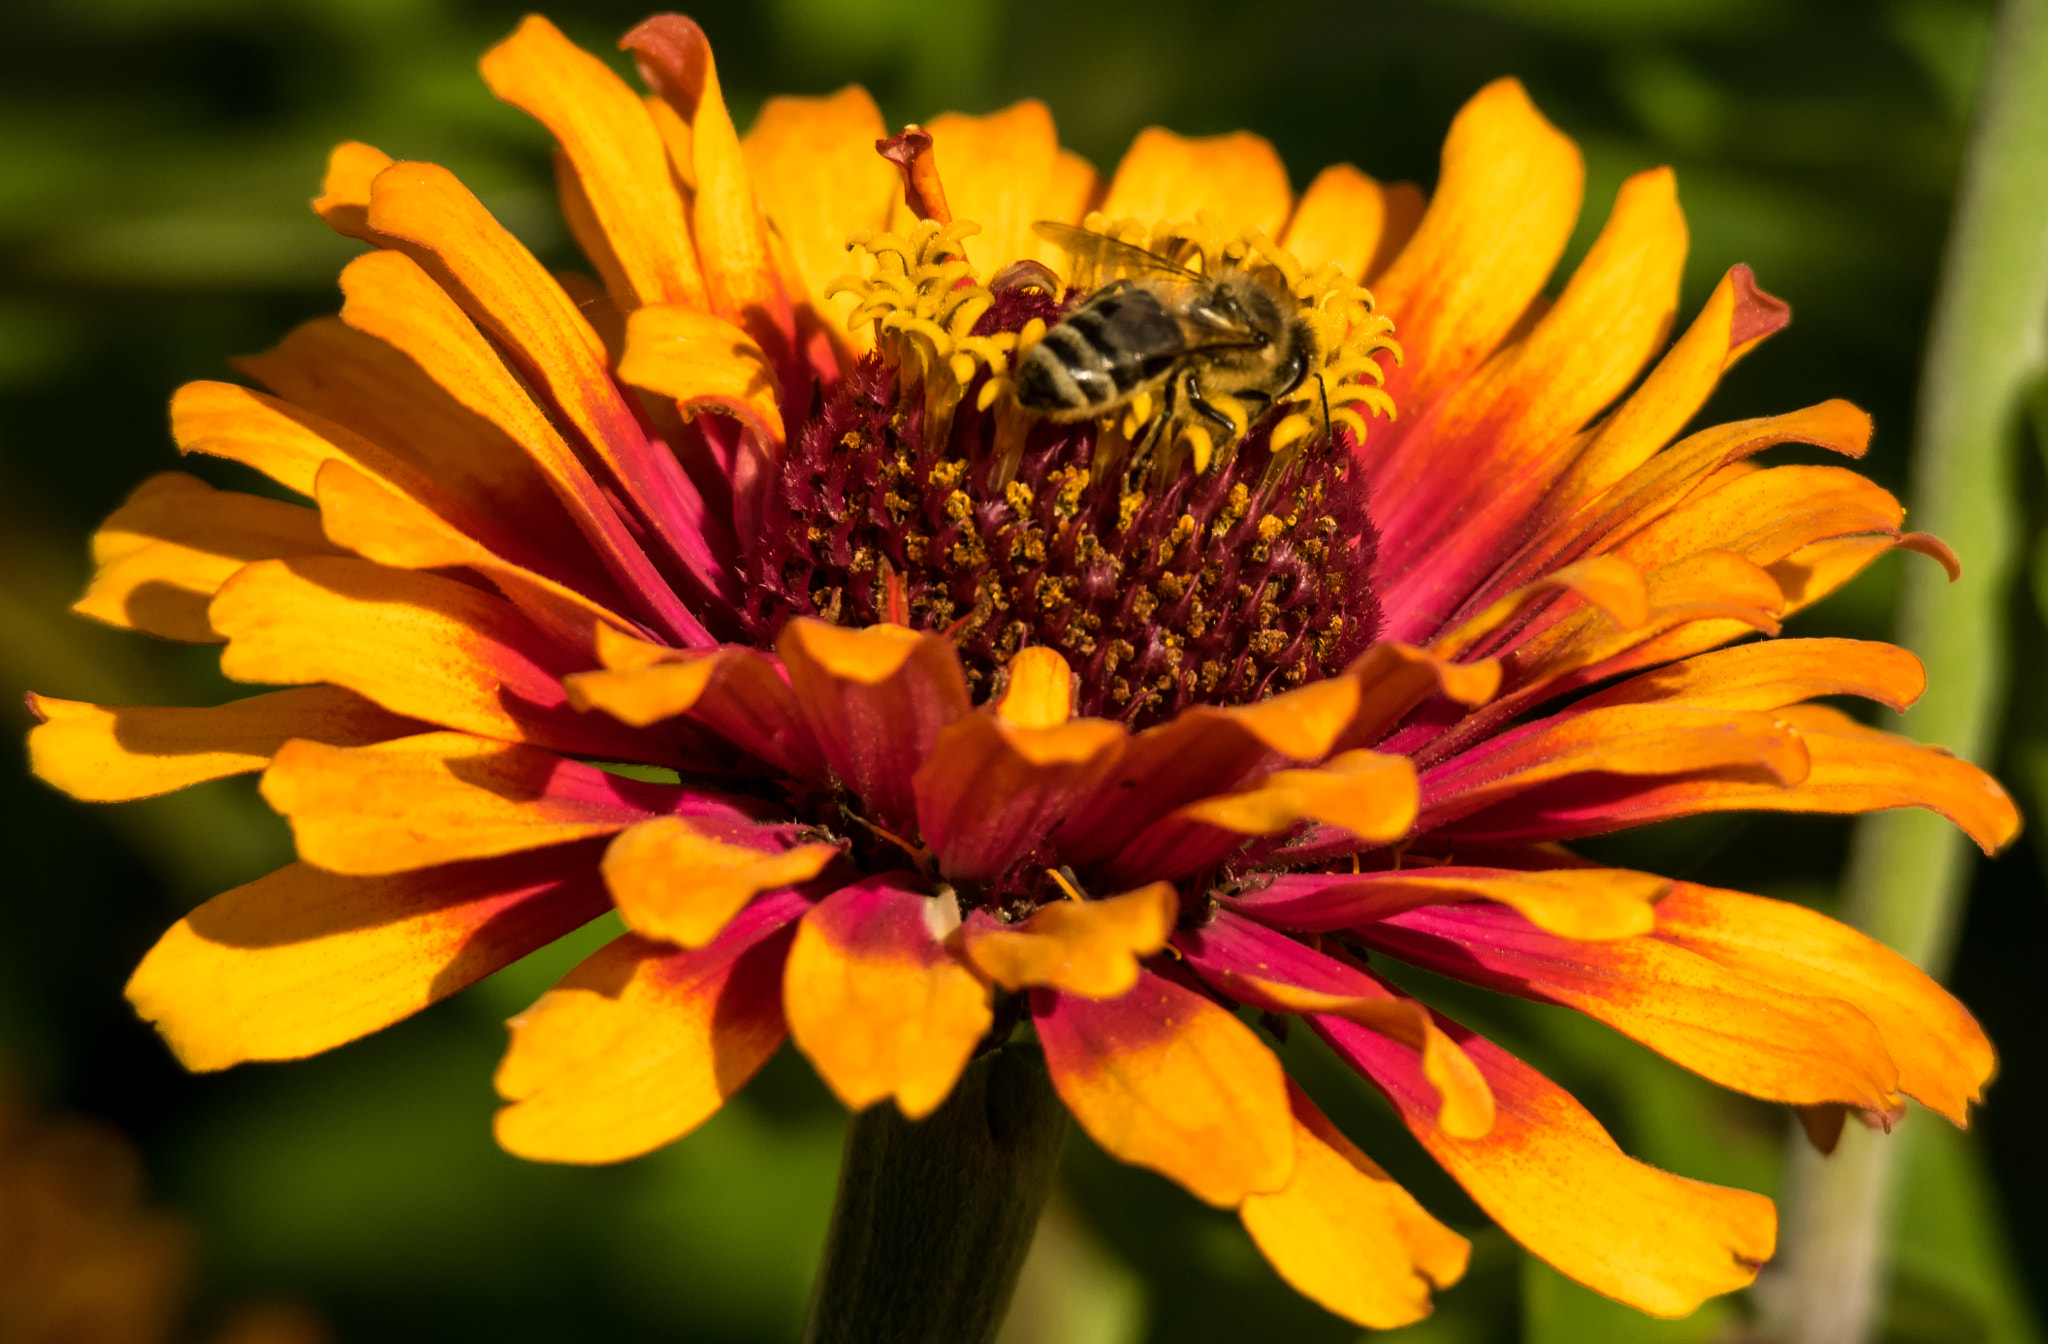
pixel 733 589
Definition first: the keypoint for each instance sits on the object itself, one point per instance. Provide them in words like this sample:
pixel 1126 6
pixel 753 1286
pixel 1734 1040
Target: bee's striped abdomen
pixel 1104 351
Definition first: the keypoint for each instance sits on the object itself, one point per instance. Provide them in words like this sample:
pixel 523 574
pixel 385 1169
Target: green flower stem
pixel 934 1216
pixel 1909 870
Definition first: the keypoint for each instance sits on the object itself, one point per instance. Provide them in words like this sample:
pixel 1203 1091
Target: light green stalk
pixel 1908 871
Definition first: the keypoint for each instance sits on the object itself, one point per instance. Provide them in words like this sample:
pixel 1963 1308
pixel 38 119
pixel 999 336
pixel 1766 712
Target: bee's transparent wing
pixel 1106 253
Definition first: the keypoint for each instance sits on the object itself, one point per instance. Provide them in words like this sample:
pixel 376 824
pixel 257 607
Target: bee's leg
pixel 1328 428
pixel 1141 451
pixel 1205 410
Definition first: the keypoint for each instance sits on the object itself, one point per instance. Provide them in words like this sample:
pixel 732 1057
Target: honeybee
pixel 1191 338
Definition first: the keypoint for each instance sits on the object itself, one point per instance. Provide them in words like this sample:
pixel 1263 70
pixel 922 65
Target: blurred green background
pixel 155 161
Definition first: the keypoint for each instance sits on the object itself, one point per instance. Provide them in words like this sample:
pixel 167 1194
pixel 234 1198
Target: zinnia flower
pixel 739 594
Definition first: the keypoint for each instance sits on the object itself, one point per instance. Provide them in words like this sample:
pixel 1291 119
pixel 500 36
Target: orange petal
pixel 1394 678
pixel 1338 219
pixel 1618 740
pixel 1604 583
pixel 164 553
pixel 380 521
pixel 675 884
pixel 1513 424
pixel 353 380
pixel 1503 209
pixel 1853 769
pixel 1554 1181
pixel 877 1003
pixel 876 700
pixel 344 199
pixel 1168 178
pixel 1346 1236
pixel 303 960
pixel 1776 673
pixel 734 692
pixel 1090 948
pixel 440 797
pixel 1040 692
pixel 1943 1057
pixel 818 178
pixel 1201 752
pixel 390 297
pixel 1761 1037
pixel 1588 904
pixel 418 644
pixel 732 238
pixel 502 287
pixel 640 1044
pixel 1263 968
pixel 111 753
pixel 618 157
pixel 990 791
pixel 1735 317
pixel 1766 515
pixel 1163 1078
pixel 705 363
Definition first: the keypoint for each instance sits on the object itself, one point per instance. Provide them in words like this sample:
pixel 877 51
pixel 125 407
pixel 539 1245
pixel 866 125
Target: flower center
pixel 1175 553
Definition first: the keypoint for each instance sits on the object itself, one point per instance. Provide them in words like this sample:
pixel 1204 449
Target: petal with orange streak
pixel 379 521
pixel 112 753
pixel 675 59
pixel 1264 968
pixel 877 1003
pixel 674 883
pixel 876 700
pixel 1369 795
pixel 991 790
pixel 618 156
pixel 1853 769
pixel 440 797
pixel 818 178
pixel 1512 424
pixel 1734 318
pixel 1775 673
pixel 1503 209
pixel 418 644
pixel 1765 1038
pixel 503 288
pixel 1588 904
pixel 1162 1078
pixel 302 960
pixel 1943 1056
pixel 641 1043
pixel 1204 751
pixel 735 692
pixel 1628 740
pixel 1346 1236
pixel 1090 948
pixel 1551 1177
pixel 1237 178
pixel 1338 219
pixel 705 363
pixel 389 296
pixel 360 383
pixel 1394 678
pixel 162 555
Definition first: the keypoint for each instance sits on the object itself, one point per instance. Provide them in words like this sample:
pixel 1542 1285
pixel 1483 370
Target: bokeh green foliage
pixel 155 157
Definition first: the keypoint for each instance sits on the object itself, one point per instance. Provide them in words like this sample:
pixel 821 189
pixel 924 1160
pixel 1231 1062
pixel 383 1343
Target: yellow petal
pixel 877 1003
pixel 1089 948
pixel 675 884
pixel 1236 178
pixel 111 753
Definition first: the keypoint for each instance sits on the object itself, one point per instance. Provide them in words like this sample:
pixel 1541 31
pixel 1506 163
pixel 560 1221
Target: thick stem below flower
pixel 934 1216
